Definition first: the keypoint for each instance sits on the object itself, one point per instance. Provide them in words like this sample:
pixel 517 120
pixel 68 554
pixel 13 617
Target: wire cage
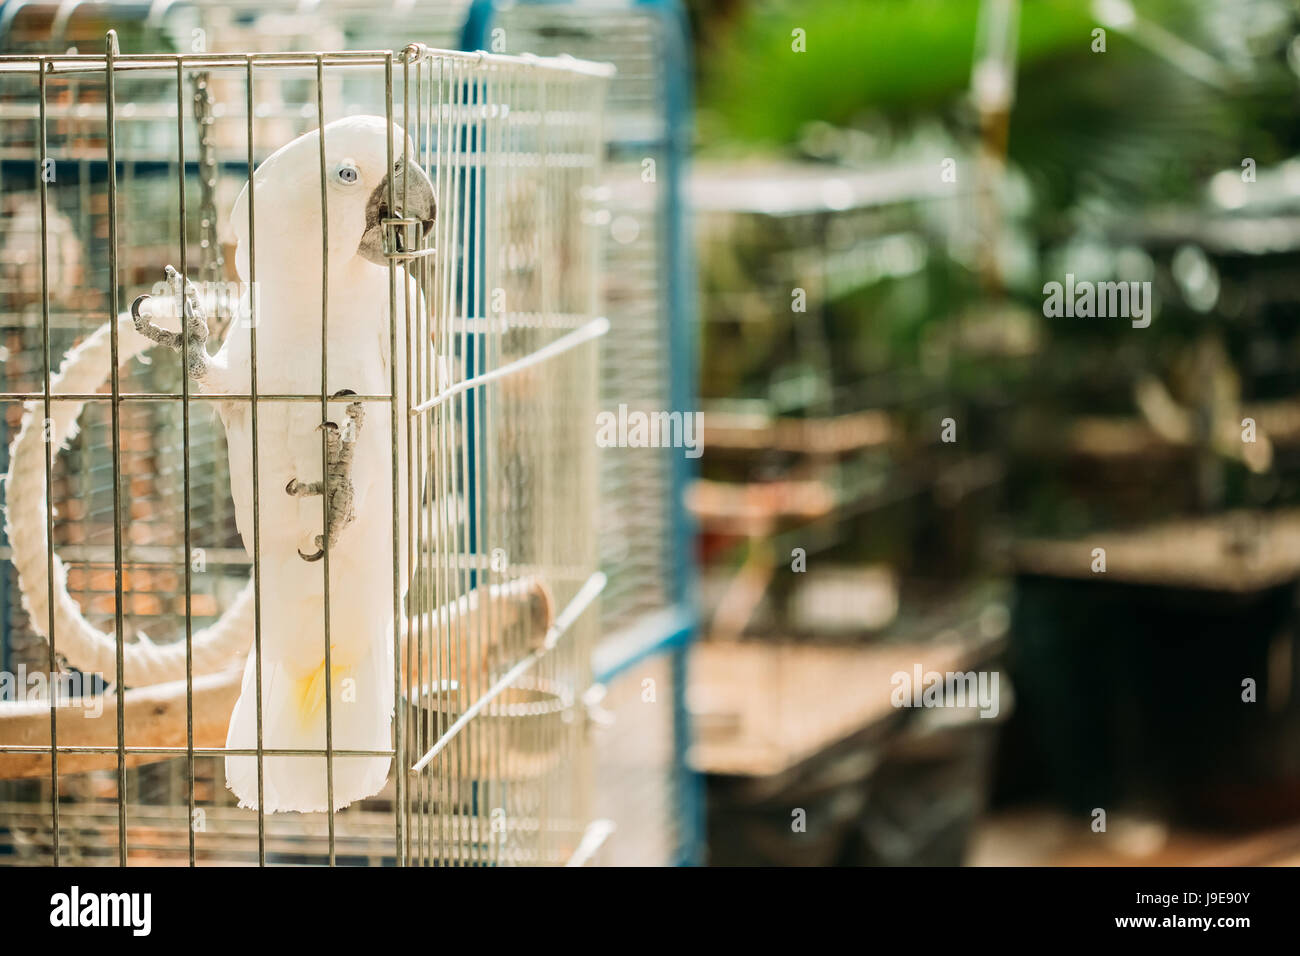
pixel 646 538
pixel 147 577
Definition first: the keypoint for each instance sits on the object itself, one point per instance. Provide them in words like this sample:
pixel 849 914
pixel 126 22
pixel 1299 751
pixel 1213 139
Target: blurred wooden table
pixel 1040 837
pixel 761 708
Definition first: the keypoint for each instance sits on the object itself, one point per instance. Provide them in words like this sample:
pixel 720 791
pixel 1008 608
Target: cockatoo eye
pixel 347 174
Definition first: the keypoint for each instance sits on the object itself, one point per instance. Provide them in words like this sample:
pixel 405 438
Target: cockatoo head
pixel 357 177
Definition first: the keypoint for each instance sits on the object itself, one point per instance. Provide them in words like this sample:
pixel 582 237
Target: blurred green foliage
pixel 1123 126
pixel 901 58
pixel 1105 151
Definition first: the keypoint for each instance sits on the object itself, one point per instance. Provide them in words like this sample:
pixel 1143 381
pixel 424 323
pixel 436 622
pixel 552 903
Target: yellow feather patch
pixel 311 690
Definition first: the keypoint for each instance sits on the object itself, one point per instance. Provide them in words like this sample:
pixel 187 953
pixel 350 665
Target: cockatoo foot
pixel 193 338
pixel 339 447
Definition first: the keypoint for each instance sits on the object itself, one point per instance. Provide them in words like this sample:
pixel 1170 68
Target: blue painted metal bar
pixel 672 630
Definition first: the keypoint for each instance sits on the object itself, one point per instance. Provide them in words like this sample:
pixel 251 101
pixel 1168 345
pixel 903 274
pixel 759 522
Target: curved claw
pixel 147 328
pixel 311 557
pixel 144 325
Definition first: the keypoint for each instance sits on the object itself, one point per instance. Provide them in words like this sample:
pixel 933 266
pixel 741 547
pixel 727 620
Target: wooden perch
pixel 155 715
pixel 757 508
pixel 482 640
pixel 836 435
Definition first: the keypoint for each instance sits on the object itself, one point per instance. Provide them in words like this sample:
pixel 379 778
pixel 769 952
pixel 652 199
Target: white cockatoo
pixel 357 489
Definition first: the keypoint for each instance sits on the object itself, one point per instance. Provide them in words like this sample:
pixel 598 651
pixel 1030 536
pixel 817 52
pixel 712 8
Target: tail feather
pixel 294 717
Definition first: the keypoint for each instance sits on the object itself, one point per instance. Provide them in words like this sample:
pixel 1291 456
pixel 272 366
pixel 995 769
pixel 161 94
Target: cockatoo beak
pixel 413 192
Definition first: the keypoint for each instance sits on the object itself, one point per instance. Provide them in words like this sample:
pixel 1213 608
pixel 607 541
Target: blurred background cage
pixel 988 148
pixel 647 540
pixel 841 538
pixel 844 536
pixel 514 148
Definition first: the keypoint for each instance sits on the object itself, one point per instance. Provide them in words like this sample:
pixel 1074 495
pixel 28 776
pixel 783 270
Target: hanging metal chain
pixel 212 263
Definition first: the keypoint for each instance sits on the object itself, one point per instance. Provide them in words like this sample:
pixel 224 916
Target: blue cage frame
pixel 673 630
